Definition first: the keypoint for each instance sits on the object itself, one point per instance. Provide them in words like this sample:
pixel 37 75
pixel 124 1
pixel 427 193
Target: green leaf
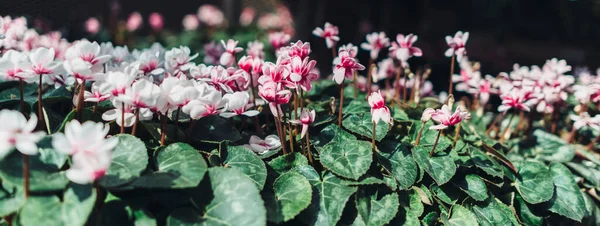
pixel 396 158
pixel 535 182
pixel 44 169
pixel 440 167
pixel 415 205
pixel 11 200
pixel 78 203
pixel 293 193
pixel 399 114
pixel 247 162
pixel 567 201
pixel 377 211
pixel 143 218
pixel 461 216
pixel 171 132
pixel 214 129
pixel 236 200
pixel 449 197
pixel 407 218
pixel 41 210
pixel 552 148
pixel 129 159
pixel 350 159
pixel 484 162
pixel 332 197
pixel 332 133
pixel 431 218
pixel 356 107
pixel 525 213
pixel 365 181
pixel 363 125
pixel 494 212
pixel 473 185
pixel 179 166
pixel 287 162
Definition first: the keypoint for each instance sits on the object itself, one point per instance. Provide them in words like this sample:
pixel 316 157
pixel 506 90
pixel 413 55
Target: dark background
pixel 503 32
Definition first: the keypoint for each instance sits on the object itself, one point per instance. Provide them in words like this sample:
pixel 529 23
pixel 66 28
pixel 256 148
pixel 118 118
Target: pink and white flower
pixel 585 120
pixel 446 118
pixel 329 33
pixel 375 42
pixel 278 39
pixel 238 104
pixel 84 61
pixel 255 49
pixel 260 146
pixel 42 62
pixel 345 66
pixel 517 100
pixel 301 74
pixel 307 117
pixel 247 16
pixel 134 21
pixel 18 132
pixel 190 22
pixel 179 59
pixel 228 57
pixel 156 21
pixel 91 151
pixel 92 25
pixel 210 15
pixel 212 52
pixel 274 94
pixel 99 92
pixel 378 109
pixel 457 44
pixel 404 49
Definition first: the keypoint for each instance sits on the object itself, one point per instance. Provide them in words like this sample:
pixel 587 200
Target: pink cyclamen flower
pixel 301 73
pixel 261 146
pixel 247 16
pixel 345 66
pixel 210 15
pixel 83 60
pixel 190 22
pixel 375 42
pixel 427 113
pixel 228 57
pixel 278 39
pixel 274 94
pixel 91 151
pixel 307 117
pixel 18 132
pixel 156 21
pixel 134 21
pixel 99 92
pixel 92 25
pixel 12 66
pixel 42 62
pixel 446 118
pixel 329 33
pixel 378 109
pixel 256 49
pixel 238 104
pixel 457 44
pixel 517 100
pixel 585 120
pixel 404 48
pixel 299 49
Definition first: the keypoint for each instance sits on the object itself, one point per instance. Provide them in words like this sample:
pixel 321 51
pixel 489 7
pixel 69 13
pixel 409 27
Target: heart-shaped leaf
pixel 293 193
pixel 396 158
pixel 129 159
pixel 376 211
pixel 363 125
pixel 567 200
pixel 535 182
pixel 494 212
pixel 78 203
pixel 247 162
pixel 440 167
pixel 350 159
pixel 473 185
pixel 461 216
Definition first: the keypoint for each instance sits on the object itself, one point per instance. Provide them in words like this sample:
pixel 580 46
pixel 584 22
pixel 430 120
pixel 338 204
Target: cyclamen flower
pixel 178 59
pixel 210 15
pixel 299 49
pixel 123 114
pixel 427 114
pixel 345 66
pixel 84 61
pixel 375 42
pixel 190 22
pixel 274 94
pixel 156 21
pixel 307 117
pixel 247 16
pixel 404 48
pixel 255 49
pixel 99 92
pixel 237 104
pixel 261 146
pixel 134 21
pixel 228 57
pixel 457 45
pixel 209 103
pixel 516 99
pixel 585 120
pixel 12 65
pixel 143 94
pixel 42 62
pixel 17 132
pixel 446 118
pixel 329 33
pixel 278 39
pixel 91 151
pixel 212 52
pixel 301 73
pixel 378 109
pixel 92 25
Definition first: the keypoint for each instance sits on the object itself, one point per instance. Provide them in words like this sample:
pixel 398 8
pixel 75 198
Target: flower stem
pixel 397 83
pixel 590 146
pixel 370 76
pixel 310 158
pixel 177 121
pixel 435 144
pixel 451 73
pixel 42 126
pixel 333 52
pixel 404 89
pixel 341 104
pixel 283 133
pixel 521 122
pixel 456 134
pixel 493 124
pixel 163 127
pixel 419 134
pixel 572 135
pixel 355 84
pixel 21 100
pixel 122 118
pixel 291 140
pixel 373 136
pixel 26 175
pixel 79 108
pixel 503 134
pixel 137 119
